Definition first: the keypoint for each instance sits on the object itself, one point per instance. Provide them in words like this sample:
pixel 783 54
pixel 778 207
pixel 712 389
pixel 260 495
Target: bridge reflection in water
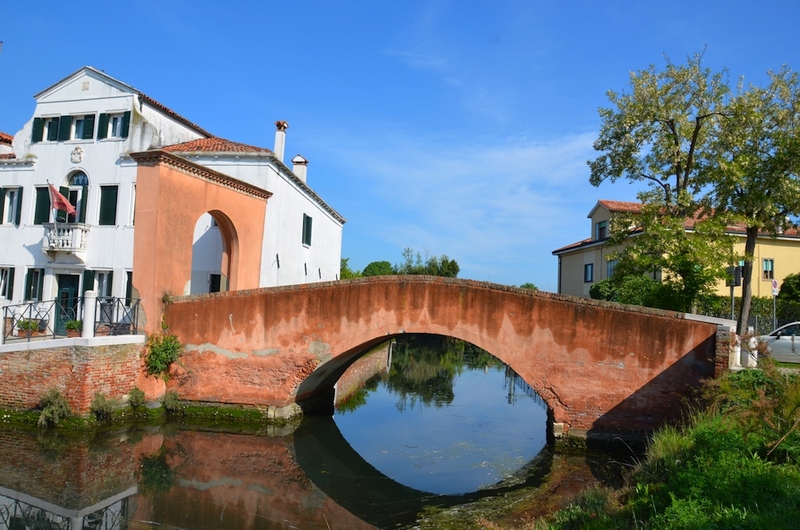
pixel 184 477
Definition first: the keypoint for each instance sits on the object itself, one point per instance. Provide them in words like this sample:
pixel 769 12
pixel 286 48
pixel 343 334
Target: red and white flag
pixel 59 202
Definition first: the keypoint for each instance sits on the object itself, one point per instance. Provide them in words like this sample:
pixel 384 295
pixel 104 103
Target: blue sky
pixel 453 127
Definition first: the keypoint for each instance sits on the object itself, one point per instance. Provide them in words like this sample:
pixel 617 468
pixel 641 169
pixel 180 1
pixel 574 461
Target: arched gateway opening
pixel 174 199
pixel 214 250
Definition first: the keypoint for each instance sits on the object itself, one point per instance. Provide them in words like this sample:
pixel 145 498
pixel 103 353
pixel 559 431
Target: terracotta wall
pixel 171 195
pixel 597 365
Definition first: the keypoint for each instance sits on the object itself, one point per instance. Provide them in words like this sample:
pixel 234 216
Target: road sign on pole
pixel 774 287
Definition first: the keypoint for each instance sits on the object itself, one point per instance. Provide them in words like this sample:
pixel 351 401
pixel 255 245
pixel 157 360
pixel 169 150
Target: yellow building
pixel 584 263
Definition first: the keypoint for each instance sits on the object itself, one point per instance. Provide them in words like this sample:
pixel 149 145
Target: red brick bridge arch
pixel 599 366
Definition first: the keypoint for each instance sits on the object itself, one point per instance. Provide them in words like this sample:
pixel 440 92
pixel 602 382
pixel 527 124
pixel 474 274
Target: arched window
pixel 76 192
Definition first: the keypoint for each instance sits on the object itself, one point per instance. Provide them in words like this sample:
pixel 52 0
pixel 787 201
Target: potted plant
pixel 28 327
pixel 73 327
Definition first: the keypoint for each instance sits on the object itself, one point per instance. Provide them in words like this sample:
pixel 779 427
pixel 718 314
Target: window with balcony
pixel 10 206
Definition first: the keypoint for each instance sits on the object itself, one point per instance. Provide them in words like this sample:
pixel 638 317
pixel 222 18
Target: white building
pixel 80 139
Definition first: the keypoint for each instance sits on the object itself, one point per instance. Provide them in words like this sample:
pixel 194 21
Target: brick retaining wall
pixel 77 371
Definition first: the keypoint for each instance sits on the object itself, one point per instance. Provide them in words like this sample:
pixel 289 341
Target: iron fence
pixel 53 319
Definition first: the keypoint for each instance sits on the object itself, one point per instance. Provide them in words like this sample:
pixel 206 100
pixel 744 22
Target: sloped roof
pixel 688 224
pixel 621 206
pixel 213 145
pixel 127 88
pixel 5 138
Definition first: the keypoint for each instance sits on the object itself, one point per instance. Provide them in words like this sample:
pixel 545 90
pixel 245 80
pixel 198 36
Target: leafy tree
pixel 345 272
pixel 790 288
pixel 529 285
pixel 378 268
pixel 432 266
pixel 753 169
pixel 656 134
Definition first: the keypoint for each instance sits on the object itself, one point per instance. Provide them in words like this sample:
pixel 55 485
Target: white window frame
pixel 5 285
pixel 768 272
pixel 10 204
pixel 103 287
pixel 47 124
pixel 78 122
pixel 115 124
pixel 588 272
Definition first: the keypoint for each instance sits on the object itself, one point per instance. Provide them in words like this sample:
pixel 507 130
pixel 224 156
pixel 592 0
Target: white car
pixel 783 344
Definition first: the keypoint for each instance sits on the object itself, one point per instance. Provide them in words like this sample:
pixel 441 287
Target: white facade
pixel 78 139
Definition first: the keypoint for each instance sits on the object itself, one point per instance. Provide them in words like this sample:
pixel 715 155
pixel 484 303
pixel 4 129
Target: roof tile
pixel 213 145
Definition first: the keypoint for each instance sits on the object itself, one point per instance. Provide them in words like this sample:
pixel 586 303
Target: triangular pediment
pixel 86 83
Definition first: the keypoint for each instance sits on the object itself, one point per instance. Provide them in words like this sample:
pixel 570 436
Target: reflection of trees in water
pixel 424 368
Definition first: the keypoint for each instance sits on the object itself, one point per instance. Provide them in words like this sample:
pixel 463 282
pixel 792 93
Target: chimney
pixel 300 167
pixel 280 138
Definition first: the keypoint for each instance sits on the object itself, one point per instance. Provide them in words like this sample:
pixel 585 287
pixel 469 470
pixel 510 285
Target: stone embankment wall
pixel 78 371
pixel 361 371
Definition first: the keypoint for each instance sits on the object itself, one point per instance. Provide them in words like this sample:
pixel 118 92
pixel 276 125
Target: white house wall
pixel 284 259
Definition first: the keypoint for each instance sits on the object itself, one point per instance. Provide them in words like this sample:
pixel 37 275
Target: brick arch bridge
pixel 600 367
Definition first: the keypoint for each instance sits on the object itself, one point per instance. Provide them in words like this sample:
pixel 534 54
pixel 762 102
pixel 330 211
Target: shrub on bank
pixel 54 408
pixel 163 349
pixel 735 464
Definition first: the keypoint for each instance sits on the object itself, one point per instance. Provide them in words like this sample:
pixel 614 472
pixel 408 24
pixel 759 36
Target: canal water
pixel 424 422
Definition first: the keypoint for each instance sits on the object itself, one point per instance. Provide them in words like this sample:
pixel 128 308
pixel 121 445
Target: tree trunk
pixel 747 275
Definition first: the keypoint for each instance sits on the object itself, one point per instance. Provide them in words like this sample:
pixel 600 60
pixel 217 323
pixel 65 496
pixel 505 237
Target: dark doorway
pixel 67 300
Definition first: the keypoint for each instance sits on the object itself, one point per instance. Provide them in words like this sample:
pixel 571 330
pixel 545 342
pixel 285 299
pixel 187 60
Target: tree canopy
pixel 656 134
pixel 712 158
pixel 751 172
pixel 412 263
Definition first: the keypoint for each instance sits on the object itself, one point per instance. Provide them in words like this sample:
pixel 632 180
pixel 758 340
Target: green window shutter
pixel 64 128
pixel 38 130
pixel 52 130
pixel 11 283
pixel 307 221
pixel 61 215
pixel 88 127
pixel 29 285
pixel 41 213
pixel 88 280
pixel 110 284
pixel 102 126
pixel 108 205
pixel 2 204
pixel 18 220
pixel 128 287
pixel 41 285
pixel 126 123
pixel 84 202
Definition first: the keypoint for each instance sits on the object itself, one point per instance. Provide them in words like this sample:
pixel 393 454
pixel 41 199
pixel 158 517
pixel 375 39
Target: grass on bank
pixel 736 464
